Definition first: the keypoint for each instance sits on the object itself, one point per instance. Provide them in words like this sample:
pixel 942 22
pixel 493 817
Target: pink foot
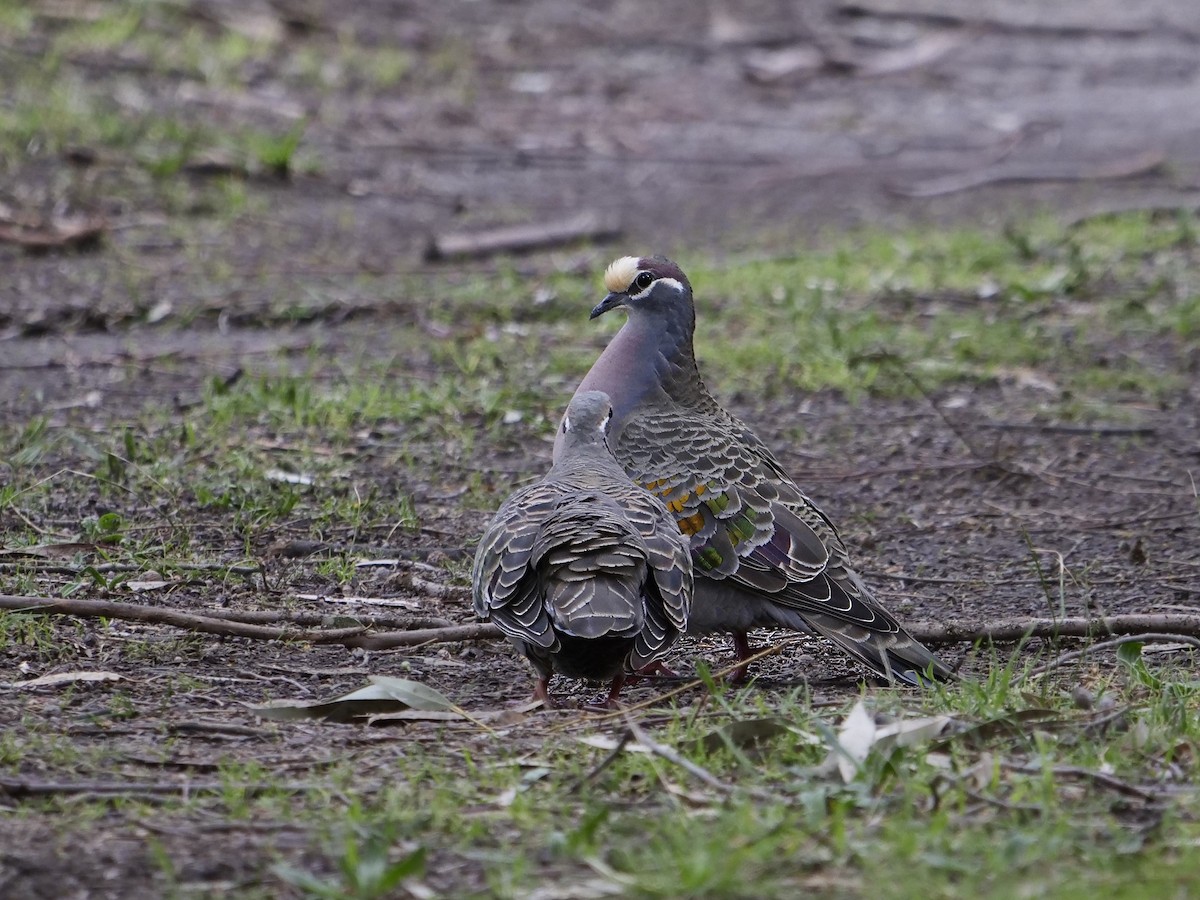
pixel 541 691
pixel 613 700
pixel 741 649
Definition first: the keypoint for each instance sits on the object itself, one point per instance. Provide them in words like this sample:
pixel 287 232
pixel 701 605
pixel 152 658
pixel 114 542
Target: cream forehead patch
pixel 620 274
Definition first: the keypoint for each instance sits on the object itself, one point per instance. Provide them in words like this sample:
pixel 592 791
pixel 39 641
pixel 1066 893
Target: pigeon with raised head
pixel 764 554
pixel 585 572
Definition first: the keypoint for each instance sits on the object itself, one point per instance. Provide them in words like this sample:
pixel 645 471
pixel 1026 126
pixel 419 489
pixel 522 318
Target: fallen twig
pixel 1125 167
pixel 521 238
pixel 1109 645
pixel 107 568
pixel 18 788
pixel 386 640
pixel 133 612
pixel 1100 779
pixel 594 773
pixel 1009 630
pixel 315 619
pixel 639 734
pixel 74 232
pixel 227 623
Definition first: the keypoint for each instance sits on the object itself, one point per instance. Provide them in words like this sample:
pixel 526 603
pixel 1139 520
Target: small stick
pixel 1141 163
pixel 1180 626
pixel 671 756
pixel 1098 778
pixel 386 640
pixel 521 238
pixel 134 612
pixel 16 787
pixel 1108 645
pixel 1009 630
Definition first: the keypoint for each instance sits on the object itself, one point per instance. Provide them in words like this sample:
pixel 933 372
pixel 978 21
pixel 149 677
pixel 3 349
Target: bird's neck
pixel 648 362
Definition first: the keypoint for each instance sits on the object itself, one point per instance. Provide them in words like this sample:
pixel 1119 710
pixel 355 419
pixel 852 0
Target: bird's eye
pixel 643 281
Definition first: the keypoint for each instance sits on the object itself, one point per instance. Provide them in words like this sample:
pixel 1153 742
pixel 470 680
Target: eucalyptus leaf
pixel 384 696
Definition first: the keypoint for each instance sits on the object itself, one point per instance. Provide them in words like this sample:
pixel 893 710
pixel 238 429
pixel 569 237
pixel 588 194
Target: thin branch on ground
pixel 1100 779
pixel 388 640
pixel 1149 636
pixel 110 568
pixel 1141 163
pixel 315 619
pixel 667 753
pixel 1011 630
pixel 154 615
pixel 19 788
pixel 225 622
pixel 595 771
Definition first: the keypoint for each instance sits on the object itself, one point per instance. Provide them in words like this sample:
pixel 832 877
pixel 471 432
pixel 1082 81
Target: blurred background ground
pixel 215 232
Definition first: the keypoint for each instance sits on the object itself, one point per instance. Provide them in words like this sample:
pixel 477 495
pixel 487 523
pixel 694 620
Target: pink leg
pixel 614 693
pixel 541 691
pixel 741 649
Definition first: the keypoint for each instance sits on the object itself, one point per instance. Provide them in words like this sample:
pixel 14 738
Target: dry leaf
pixel 289 477
pixel 66 678
pixel 385 696
pixel 149 581
pixel 854 740
pixel 68 232
pixel 859 735
pixel 50 551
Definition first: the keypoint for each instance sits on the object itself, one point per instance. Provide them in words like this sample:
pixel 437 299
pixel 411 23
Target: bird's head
pixel 646 284
pixel 588 417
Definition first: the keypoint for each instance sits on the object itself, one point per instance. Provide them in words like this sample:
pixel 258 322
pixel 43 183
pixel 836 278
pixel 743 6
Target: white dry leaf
pixel 289 477
pixel 149 581
pixel 859 735
pixel 414 693
pixel 506 797
pixel 159 311
pixel 855 738
pixel 385 696
pixel 531 83
pixel 66 678
pixel 605 742
pixel 910 732
pixel 943 761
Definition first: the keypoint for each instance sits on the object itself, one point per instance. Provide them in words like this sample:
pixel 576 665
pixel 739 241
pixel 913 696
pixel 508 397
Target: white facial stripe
pixel 673 282
pixel 620 274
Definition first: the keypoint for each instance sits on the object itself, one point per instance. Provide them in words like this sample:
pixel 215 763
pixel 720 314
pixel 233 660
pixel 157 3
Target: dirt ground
pixel 720 128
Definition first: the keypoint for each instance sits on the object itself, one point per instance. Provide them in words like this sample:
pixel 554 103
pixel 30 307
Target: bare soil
pixel 681 121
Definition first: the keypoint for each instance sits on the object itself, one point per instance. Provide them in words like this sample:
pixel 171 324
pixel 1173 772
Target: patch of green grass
pixel 954 305
pixel 1005 803
pixel 367 867
pixel 1072 309
pixel 16 18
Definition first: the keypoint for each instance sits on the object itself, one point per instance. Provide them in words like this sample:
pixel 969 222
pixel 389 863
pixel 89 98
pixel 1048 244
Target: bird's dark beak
pixel 612 301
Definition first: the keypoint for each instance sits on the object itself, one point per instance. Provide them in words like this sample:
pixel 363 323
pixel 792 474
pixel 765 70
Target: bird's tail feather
pixel 897 656
pixel 604 605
